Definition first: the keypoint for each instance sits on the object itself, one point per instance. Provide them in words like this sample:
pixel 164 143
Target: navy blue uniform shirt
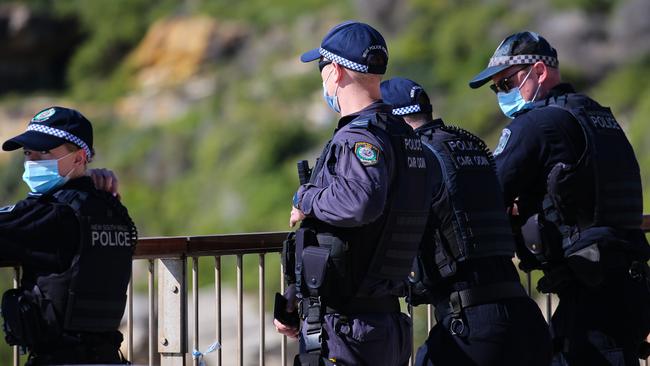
pixel 40 233
pixel 351 188
pixel 530 146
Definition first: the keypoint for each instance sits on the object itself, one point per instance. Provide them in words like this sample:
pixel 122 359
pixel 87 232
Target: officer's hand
pixel 514 209
pixel 105 180
pixel 296 216
pixel 291 332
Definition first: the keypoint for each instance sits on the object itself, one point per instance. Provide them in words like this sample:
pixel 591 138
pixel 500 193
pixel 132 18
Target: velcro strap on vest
pixel 358 305
pixel 459 300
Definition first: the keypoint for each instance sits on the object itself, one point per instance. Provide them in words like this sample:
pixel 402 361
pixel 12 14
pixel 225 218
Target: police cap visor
pixel 33 140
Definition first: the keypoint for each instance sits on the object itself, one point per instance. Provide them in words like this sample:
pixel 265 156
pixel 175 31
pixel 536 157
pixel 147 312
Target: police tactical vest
pixel 468 213
pixel 409 205
pixel 91 295
pixel 608 164
pixel 362 258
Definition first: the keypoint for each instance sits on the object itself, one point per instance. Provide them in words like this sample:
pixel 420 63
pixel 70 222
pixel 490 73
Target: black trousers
pixel 604 325
pixel 509 332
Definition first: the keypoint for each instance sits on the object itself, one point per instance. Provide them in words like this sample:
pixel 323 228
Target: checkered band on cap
pixel 61 134
pixel 523 59
pixel 407 110
pixel 343 61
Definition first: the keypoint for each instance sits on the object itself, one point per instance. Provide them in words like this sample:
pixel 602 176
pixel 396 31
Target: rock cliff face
pixel 34 49
pixel 176 49
pixel 171 66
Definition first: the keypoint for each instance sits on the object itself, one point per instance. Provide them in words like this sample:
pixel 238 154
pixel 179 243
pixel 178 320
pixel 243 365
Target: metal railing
pixel 169 329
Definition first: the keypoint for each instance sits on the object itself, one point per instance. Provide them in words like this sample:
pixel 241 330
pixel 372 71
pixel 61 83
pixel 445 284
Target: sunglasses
pixel 322 63
pixel 503 84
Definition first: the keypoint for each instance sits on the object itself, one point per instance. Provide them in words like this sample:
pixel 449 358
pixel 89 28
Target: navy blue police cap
pixel 517 49
pixel 52 127
pixel 353 45
pixel 406 96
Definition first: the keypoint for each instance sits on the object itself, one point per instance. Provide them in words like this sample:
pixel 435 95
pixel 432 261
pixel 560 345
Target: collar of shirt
pixel 560 89
pixel 81 183
pixel 374 107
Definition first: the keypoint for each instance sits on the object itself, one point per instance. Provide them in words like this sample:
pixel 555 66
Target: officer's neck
pixel 354 98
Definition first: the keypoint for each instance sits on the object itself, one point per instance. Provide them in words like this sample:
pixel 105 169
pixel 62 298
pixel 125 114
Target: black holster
pixel 24 323
pixel 542 239
pixel 289 258
pixel 418 290
pixel 315 261
pixel 556 279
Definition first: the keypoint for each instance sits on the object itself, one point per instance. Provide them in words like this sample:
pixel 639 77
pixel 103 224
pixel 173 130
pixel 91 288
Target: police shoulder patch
pixel 367 153
pixel 503 141
pixel 7 209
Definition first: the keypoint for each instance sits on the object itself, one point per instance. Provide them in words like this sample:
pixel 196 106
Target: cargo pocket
pixel 23 322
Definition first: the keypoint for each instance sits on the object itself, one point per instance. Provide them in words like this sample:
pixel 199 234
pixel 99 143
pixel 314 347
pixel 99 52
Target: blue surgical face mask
pixel 513 102
pixel 332 101
pixel 43 176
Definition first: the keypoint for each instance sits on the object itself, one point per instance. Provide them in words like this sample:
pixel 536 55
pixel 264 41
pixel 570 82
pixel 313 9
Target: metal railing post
pixel 262 317
pixel 217 285
pixel 172 314
pixel 152 318
pixel 240 312
pixel 409 308
pixel 16 358
pixel 129 319
pixel 283 345
pixel 195 304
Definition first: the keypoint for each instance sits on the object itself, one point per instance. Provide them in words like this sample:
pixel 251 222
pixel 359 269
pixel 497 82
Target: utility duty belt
pixel 359 305
pixel 459 300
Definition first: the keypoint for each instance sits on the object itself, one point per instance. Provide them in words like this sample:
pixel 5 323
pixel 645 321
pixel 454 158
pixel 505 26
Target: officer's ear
pixel 541 71
pixel 339 71
pixel 80 157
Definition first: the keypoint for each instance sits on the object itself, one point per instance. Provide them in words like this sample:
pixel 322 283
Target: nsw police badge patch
pixel 44 115
pixel 367 153
pixel 503 141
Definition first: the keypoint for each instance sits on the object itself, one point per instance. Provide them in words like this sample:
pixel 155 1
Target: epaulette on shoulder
pixel 562 101
pixel 360 122
pixel 367 121
pixel 71 197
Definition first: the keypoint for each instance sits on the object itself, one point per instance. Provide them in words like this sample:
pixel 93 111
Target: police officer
pixel 572 183
pixel 74 243
pixel 363 213
pixel 465 269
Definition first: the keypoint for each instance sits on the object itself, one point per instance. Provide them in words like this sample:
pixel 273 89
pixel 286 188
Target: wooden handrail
pixel 165 247
pixel 222 244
